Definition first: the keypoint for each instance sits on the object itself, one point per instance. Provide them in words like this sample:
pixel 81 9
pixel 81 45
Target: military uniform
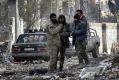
pixel 80 51
pixel 53 45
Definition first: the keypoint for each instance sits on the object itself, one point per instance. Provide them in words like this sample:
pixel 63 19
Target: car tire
pixel 95 51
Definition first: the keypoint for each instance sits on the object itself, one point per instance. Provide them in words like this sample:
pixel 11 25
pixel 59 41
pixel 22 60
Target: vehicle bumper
pixel 45 54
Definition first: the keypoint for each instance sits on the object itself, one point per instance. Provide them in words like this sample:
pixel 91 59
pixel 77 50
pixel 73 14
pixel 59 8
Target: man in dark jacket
pixel 80 32
pixel 82 18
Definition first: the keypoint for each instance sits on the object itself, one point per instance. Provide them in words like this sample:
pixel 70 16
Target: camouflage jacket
pixel 53 35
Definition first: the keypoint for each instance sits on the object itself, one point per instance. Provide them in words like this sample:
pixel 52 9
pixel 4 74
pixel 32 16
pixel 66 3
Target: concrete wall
pixel 111 34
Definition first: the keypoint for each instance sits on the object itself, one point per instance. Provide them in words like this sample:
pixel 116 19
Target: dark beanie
pixel 52 15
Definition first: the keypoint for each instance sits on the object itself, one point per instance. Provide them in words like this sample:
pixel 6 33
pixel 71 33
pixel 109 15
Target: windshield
pixel 32 38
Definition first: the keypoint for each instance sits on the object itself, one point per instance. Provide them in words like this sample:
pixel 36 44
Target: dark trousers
pixel 80 51
pixel 62 57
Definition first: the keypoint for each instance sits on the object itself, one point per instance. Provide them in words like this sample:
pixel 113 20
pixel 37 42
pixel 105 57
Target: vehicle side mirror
pixel 92 34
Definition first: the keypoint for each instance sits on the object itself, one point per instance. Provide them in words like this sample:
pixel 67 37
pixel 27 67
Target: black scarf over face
pixel 76 18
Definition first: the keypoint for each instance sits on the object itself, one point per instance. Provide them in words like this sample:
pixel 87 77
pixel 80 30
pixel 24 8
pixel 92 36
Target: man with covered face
pixel 53 30
pixel 80 32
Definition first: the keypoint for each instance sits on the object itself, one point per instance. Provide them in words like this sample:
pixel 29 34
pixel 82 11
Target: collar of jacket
pixel 82 16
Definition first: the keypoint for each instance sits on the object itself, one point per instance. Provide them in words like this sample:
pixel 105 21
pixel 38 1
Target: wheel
pixel 95 51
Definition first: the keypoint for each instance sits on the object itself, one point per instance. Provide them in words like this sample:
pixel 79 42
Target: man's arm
pixel 68 30
pixel 53 30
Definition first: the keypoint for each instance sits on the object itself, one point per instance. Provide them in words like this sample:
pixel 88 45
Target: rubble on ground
pixel 103 69
pixel 115 60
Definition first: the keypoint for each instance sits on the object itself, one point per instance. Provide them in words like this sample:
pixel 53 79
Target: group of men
pixel 58 32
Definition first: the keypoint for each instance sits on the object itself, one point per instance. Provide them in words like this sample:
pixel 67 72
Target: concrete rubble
pixel 37 70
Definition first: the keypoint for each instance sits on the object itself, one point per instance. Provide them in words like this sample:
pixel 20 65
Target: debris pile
pixel 104 69
pixel 116 60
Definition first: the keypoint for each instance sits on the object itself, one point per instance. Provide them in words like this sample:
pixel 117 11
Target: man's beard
pixel 54 21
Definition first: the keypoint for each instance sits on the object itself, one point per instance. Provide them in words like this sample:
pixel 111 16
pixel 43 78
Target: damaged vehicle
pixel 30 46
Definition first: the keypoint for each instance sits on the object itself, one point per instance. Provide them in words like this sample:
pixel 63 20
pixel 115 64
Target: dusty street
pixel 99 69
